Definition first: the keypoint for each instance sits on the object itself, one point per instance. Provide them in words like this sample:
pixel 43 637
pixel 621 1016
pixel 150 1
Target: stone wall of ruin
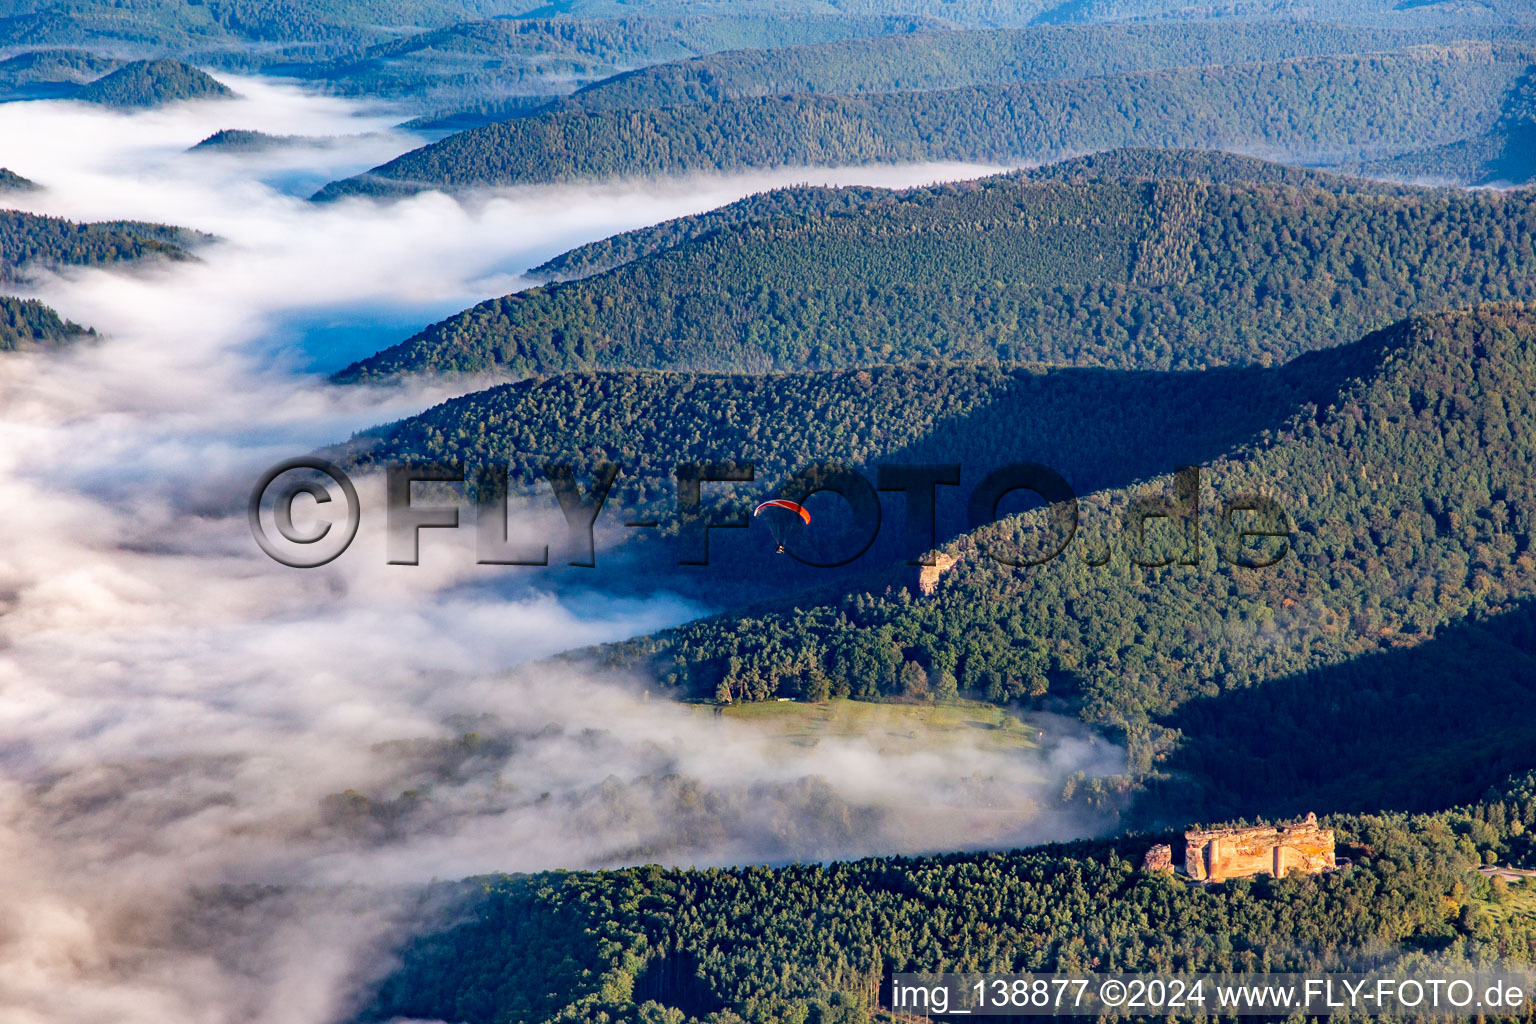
pixel 1240 852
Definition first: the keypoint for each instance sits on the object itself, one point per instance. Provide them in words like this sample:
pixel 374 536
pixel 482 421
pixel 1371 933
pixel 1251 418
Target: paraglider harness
pixel 782 516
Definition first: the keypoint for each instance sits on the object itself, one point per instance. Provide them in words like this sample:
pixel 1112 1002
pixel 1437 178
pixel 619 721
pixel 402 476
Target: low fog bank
pixel 182 719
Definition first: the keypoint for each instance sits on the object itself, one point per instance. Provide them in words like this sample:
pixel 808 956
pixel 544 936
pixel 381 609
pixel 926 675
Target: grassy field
pixel 1518 902
pixel 894 727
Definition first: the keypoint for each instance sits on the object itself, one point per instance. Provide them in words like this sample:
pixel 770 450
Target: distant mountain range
pixel 949 60
pixel 484 64
pixel 1382 104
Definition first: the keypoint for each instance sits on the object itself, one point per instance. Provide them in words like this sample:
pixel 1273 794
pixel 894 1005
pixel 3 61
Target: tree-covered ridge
pixel 150 83
pixel 1409 496
pixel 1148 164
pixel 1405 478
pixel 1365 105
pixel 52 67
pixel 607 253
pixel 305 35
pixel 28 239
pixel 1506 154
pixel 818 942
pixel 10 181
pixel 223 30
pixel 27 323
pixel 483 60
pixel 950 60
pixel 1087 272
pixel 319 30
pixel 1100 428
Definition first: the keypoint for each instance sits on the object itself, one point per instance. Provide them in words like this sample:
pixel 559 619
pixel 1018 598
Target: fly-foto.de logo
pixel 1251 530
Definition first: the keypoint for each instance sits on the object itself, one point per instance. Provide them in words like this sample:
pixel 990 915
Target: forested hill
pixel 949 60
pixel 607 253
pixel 819 941
pixel 1085 272
pixel 27 324
pixel 239 140
pixel 1133 164
pixel 1099 428
pixel 1409 496
pixel 1345 105
pixel 1403 462
pixel 29 239
pixel 150 83
pixel 10 181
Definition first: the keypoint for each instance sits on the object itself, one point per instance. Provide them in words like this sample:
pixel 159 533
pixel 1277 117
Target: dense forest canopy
pixel 818 942
pixel 1505 154
pixel 1084 267
pixel 1355 105
pixel 1098 428
pixel 1136 164
pixel 1408 500
pixel 28 239
pixel 27 324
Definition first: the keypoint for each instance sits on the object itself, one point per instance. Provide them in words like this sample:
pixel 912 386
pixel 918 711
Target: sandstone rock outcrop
pixel 928 576
pixel 1159 858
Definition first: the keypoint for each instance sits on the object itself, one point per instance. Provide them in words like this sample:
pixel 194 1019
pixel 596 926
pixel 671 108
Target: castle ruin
pixel 1220 854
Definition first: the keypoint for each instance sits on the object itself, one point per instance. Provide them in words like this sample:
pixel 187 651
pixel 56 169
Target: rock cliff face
pixel 1239 852
pixel 928 576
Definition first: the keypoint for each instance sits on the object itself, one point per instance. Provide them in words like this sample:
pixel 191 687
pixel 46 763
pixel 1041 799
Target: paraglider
pixel 784 519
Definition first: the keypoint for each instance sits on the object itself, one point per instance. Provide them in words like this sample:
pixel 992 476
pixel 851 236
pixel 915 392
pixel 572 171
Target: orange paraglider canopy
pixel 781 503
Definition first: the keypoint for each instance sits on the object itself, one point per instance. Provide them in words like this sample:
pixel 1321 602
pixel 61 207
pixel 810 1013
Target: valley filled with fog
pixel 221 778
